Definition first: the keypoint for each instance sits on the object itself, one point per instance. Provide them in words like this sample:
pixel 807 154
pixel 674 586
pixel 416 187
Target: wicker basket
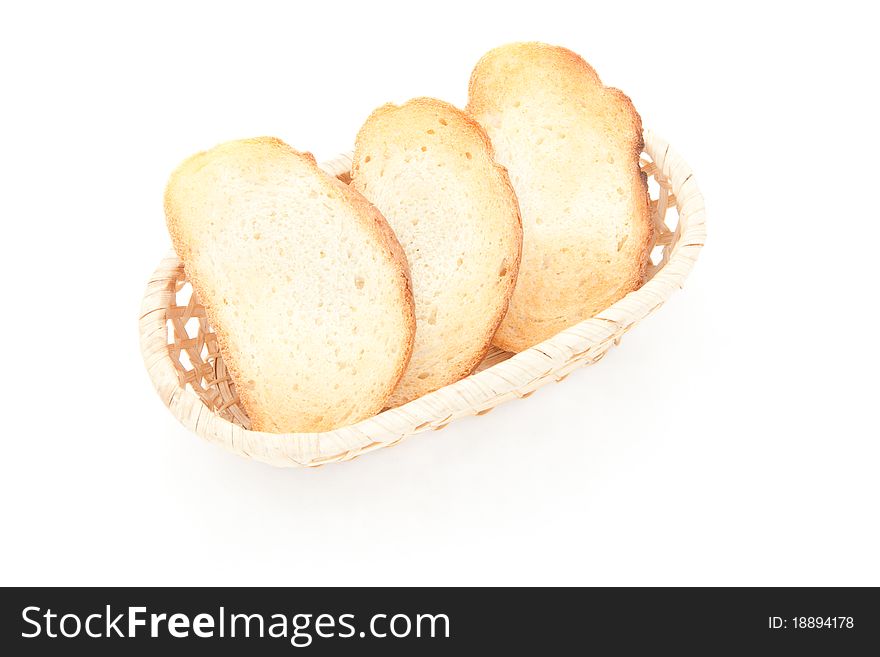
pixel 181 353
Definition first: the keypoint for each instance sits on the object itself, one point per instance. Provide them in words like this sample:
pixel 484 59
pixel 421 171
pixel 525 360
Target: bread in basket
pixel 181 353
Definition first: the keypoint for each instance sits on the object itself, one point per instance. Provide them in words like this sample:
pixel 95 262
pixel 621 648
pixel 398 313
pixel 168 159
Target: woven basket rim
pixel 475 394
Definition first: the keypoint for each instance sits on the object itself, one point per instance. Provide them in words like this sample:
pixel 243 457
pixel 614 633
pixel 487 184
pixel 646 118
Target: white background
pixel 732 438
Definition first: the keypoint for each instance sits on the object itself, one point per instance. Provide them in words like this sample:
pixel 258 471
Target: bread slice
pixel 572 147
pixel 429 168
pixel 302 279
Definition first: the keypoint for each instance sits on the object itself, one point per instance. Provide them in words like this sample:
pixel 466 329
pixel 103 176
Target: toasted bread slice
pixel 572 147
pixel 429 169
pixel 301 277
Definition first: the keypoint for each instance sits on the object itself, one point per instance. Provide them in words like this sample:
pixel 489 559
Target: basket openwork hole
pixel 671 218
pixel 653 185
pixel 183 292
pixel 195 353
pixel 656 255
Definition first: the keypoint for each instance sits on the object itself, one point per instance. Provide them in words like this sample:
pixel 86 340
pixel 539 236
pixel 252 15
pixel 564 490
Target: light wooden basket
pixel 181 353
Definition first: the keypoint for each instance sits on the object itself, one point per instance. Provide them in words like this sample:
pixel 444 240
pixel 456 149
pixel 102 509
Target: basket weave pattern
pixel 181 353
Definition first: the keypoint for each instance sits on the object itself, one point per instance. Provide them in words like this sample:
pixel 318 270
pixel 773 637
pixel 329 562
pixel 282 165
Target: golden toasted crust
pixel 427 138
pixel 526 94
pixel 184 235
